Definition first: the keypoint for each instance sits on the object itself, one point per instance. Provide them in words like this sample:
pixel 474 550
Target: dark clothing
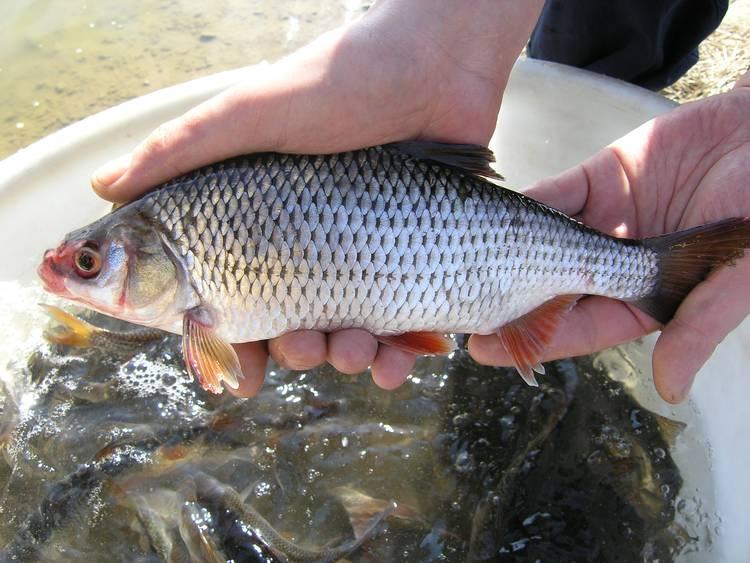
pixel 651 43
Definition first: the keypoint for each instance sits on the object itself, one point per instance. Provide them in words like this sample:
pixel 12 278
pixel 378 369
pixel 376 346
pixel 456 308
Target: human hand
pixel 686 168
pixel 408 69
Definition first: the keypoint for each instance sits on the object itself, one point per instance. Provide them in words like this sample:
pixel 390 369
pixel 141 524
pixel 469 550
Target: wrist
pixel 484 36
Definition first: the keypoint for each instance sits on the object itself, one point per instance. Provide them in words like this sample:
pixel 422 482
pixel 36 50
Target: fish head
pixel 120 265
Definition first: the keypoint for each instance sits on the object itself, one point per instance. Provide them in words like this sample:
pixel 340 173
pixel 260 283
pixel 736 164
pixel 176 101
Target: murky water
pixel 61 61
pixel 101 456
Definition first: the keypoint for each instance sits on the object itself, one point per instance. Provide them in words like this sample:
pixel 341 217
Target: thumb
pixel 253 358
pixel 713 309
pixel 233 122
pixel 276 107
pixel 567 191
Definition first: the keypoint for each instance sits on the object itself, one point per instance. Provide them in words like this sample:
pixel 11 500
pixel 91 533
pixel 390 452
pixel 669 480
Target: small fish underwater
pixel 112 453
pixel 409 241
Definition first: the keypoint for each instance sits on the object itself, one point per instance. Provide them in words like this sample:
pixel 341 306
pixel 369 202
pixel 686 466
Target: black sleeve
pixel 651 43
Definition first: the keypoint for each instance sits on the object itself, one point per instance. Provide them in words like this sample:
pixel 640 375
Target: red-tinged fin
pixel 472 159
pixel 105 451
pixel 70 330
pixel 688 257
pixel 420 343
pixel 362 508
pixel 208 358
pixel 174 453
pixel 526 338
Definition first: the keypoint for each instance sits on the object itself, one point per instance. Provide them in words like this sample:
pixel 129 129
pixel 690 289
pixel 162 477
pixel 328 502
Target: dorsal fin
pixel 472 159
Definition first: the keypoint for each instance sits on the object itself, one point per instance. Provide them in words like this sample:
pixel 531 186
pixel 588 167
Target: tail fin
pixel 70 330
pixel 688 257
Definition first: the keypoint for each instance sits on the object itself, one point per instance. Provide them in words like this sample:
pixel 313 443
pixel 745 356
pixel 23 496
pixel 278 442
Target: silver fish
pixel 408 241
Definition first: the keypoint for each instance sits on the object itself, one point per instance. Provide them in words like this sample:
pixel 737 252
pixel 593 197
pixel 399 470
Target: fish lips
pixel 53 278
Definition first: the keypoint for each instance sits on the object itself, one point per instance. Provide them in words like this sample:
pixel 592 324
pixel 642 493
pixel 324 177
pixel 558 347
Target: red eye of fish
pixel 87 262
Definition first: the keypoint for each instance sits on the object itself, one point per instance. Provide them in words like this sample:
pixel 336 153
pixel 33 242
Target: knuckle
pixel 167 140
pixel 158 141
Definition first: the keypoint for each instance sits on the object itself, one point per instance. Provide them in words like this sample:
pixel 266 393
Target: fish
pixel 411 241
pixel 195 534
pixel 70 330
pixel 361 508
pixel 210 490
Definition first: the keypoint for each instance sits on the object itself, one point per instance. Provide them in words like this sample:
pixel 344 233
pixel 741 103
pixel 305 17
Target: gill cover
pixel 155 284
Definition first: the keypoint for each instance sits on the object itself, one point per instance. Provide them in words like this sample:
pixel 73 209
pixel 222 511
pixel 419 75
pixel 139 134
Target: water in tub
pixel 105 455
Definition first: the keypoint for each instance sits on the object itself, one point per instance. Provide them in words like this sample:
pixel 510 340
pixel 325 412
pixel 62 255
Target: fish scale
pixel 379 240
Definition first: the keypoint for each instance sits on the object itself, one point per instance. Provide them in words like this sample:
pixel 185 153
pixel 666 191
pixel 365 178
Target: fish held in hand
pixel 408 241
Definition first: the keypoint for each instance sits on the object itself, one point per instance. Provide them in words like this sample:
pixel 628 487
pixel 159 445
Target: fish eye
pixel 87 262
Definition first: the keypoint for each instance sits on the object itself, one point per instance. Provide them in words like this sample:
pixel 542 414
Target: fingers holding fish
pixel 347 89
pixel 215 129
pixel 300 350
pixel 598 192
pixel 351 351
pixel 568 191
pixel 253 358
pixel 700 324
pixel 391 367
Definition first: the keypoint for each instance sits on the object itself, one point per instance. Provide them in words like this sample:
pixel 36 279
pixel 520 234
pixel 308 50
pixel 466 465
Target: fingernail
pixel 110 172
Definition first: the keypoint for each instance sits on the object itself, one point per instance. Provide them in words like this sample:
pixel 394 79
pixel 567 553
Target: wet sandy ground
pixel 62 61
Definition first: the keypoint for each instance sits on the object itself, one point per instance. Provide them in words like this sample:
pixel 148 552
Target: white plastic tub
pixel 552 117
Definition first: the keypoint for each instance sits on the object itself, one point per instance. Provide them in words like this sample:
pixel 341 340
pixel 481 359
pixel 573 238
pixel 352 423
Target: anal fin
pixel 420 343
pixel 208 358
pixel 526 338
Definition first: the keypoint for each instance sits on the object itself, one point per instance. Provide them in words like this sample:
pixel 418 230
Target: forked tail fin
pixel 688 257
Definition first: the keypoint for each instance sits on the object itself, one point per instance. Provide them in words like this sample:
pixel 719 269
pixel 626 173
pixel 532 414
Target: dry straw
pixel 724 57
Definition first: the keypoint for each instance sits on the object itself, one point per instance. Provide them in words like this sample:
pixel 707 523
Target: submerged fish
pixel 408 241
pixel 212 491
pixel 69 330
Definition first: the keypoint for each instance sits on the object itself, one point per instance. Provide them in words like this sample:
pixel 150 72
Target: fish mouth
pixel 52 278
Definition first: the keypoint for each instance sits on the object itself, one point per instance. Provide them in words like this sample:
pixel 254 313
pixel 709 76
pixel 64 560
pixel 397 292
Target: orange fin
pixel 526 338
pixel 70 330
pixel 208 358
pixel 420 343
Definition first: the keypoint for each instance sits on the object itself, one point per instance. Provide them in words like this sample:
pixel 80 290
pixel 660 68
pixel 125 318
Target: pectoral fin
pixel 526 338
pixel 208 358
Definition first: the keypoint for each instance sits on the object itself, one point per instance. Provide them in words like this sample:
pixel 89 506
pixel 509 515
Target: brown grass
pixel 724 57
